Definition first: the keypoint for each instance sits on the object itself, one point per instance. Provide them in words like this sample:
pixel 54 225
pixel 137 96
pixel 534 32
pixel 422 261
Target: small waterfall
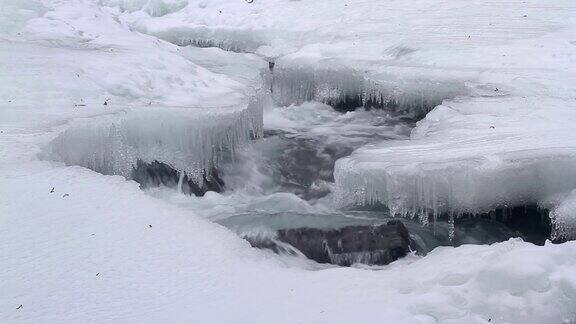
pixel 181 182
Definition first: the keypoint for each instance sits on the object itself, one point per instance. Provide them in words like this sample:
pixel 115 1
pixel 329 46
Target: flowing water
pixel 285 179
pixel 290 169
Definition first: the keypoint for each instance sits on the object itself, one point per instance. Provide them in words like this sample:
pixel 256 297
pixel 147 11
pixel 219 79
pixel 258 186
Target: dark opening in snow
pixel 529 222
pixel 156 173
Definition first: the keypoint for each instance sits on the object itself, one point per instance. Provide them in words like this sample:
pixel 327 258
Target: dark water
pixel 285 181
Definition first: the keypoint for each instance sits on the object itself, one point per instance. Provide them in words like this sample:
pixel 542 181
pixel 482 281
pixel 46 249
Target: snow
pixel 177 113
pixel 80 246
pixel 154 8
pixel 185 268
pixel 343 29
pixel 112 61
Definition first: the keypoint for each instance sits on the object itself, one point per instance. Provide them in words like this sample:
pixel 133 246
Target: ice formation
pixel 346 89
pixel 563 216
pixel 190 140
pixel 460 161
pixel 231 40
pixel 155 8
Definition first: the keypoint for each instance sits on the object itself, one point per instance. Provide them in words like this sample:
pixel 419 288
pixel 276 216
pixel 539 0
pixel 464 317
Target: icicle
pixel 181 181
pixel 190 140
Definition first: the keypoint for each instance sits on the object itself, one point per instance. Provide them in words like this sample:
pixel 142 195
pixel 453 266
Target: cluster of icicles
pixel 191 140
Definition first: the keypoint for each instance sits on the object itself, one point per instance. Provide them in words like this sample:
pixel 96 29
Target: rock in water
pixel 372 245
pixel 157 173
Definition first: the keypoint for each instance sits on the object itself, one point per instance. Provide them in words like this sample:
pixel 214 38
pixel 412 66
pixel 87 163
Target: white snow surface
pixel 78 60
pixel 79 246
pixel 91 256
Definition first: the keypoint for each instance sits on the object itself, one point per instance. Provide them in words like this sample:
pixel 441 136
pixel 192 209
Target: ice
pixel 345 89
pixel 462 160
pixel 153 104
pixel 227 39
pixel 244 68
pixel 193 141
pixel 563 216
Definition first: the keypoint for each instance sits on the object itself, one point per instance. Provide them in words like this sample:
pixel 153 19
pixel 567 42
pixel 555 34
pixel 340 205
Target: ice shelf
pixel 460 159
pixel 346 89
pixel 190 140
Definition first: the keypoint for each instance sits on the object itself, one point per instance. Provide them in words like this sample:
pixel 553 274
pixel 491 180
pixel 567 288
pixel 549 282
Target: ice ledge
pixel 346 88
pixel 468 156
pixel 190 140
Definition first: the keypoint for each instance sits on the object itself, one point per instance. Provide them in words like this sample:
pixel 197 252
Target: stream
pixel 285 181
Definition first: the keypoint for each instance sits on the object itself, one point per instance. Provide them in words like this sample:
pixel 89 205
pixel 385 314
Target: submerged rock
pixel 372 245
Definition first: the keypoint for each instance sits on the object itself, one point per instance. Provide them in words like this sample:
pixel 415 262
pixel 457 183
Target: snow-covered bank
pixel 154 104
pixel 92 256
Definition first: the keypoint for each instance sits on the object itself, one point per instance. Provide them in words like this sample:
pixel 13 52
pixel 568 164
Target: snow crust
pixel 358 30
